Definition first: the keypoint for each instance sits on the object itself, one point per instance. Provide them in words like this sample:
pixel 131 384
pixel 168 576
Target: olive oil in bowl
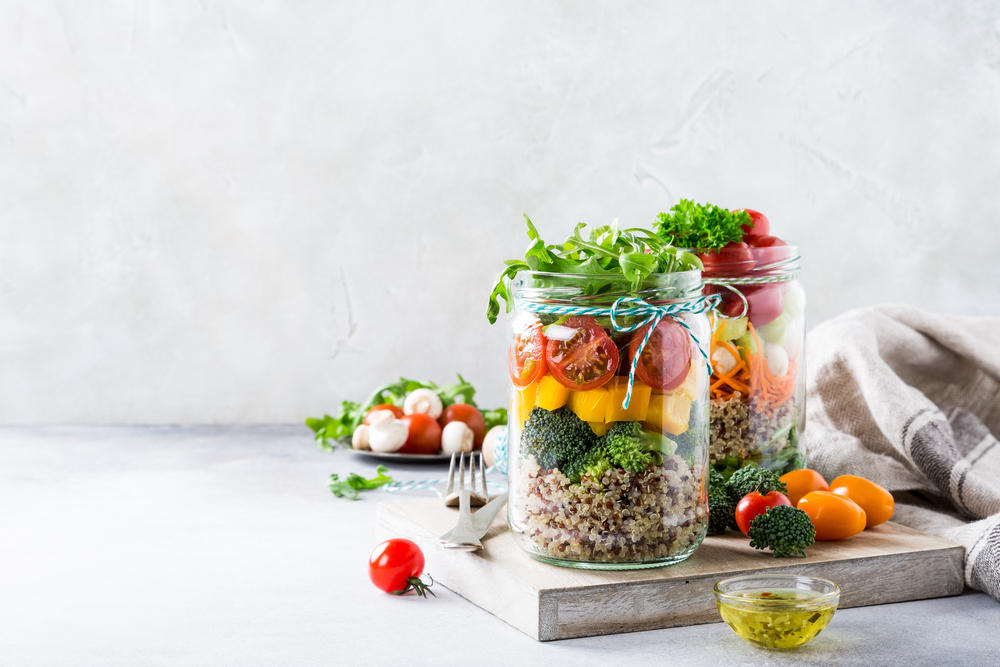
pixel 777 611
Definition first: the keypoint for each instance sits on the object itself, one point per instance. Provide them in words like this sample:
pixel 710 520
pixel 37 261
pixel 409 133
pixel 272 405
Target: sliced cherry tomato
pixel 424 436
pixel 395 567
pixel 526 357
pixel 766 303
pixel 875 500
pixel 666 359
pixel 761 226
pixel 754 503
pixel 396 412
pixel 473 418
pixel 801 482
pixel 769 249
pixel 833 516
pixel 731 260
pixel 731 305
pixel 580 354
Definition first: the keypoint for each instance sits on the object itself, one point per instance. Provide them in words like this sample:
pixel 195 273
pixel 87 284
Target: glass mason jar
pixel 757 388
pixel 604 473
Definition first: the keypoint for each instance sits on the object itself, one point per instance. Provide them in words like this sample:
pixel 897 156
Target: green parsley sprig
pixel 701 226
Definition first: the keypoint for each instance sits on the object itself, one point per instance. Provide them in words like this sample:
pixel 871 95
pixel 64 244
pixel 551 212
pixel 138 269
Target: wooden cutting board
pixel 888 563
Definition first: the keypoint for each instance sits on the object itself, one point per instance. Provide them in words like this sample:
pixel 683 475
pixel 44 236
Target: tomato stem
pixel 414 584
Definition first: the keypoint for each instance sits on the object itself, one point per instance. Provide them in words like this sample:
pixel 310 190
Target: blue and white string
pixel 645 314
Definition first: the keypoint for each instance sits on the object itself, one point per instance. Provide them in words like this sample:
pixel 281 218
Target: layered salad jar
pixel 757 387
pixel 607 466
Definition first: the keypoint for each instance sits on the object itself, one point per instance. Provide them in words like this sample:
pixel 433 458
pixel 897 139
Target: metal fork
pixel 452 497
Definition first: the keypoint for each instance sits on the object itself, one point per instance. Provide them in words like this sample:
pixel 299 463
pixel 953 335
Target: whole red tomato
pixel 730 260
pixel 396 412
pixel 754 503
pixel 761 225
pixel 473 418
pixel 424 436
pixel 395 567
pixel 580 354
pixel 666 359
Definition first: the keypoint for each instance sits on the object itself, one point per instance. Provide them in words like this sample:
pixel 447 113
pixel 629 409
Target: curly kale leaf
pixel 702 226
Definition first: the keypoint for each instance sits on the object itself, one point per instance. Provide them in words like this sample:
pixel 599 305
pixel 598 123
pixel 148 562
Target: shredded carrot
pixel 752 378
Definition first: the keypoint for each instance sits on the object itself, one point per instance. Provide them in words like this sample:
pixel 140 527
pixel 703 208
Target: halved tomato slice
pixel 580 354
pixel 526 356
pixel 666 359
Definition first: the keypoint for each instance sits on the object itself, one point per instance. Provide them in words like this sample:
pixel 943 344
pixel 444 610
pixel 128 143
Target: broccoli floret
pixel 623 445
pixel 558 439
pixel 596 465
pixel 721 509
pixel 752 478
pixel 783 529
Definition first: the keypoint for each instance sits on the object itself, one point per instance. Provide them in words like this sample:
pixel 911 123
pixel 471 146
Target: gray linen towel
pixel 911 400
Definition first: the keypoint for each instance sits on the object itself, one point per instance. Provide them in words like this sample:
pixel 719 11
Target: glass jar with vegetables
pixel 608 386
pixel 757 388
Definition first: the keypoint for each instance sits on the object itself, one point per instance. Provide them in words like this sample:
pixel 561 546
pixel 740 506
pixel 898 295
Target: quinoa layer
pixel 622 517
pixel 738 428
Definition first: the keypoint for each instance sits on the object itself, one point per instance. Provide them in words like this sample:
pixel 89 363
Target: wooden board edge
pixel 563 612
pixel 466 574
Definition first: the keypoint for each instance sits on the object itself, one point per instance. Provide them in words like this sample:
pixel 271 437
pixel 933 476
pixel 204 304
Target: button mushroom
pixel 777 359
pixel 456 437
pixel 489 455
pixel 723 360
pixel 359 439
pixel 425 401
pixel 387 435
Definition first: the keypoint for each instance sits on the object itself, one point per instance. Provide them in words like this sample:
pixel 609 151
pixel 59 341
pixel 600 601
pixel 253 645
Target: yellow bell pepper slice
pixel 599 428
pixel 669 412
pixel 590 405
pixel 637 407
pixel 523 400
pixel 551 394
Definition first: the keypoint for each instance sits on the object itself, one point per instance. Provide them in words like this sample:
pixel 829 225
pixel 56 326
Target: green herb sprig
pixel 628 255
pixel 348 488
pixel 702 226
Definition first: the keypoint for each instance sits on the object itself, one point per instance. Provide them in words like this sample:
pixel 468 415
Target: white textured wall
pixel 247 211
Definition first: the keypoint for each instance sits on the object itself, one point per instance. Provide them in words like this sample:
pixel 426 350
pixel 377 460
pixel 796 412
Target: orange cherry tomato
pixel 834 517
pixel 801 482
pixel 876 501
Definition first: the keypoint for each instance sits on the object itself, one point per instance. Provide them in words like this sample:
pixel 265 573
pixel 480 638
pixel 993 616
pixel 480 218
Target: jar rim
pixel 686 285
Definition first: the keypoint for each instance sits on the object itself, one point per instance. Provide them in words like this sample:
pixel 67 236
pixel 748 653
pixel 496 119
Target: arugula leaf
pixel 348 488
pixel 619 259
pixel 701 226
pixel 496 417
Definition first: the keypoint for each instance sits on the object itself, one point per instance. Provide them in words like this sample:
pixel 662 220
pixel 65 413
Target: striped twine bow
pixel 646 313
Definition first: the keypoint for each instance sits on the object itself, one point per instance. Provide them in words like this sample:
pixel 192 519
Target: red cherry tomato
pixel 754 503
pixel 580 354
pixel 526 357
pixel 473 418
pixel 764 242
pixel 396 412
pixel 768 249
pixel 766 303
pixel 666 359
pixel 731 260
pixel 761 225
pixel 424 436
pixel 393 563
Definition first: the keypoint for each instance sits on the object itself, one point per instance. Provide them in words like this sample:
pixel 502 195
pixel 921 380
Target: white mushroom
pixel 777 359
pixel 425 401
pixel 456 437
pixel 387 435
pixel 489 442
pixel 359 439
pixel 723 360
pixel 380 416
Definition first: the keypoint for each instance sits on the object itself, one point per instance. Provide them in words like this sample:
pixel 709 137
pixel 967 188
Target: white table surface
pixel 222 546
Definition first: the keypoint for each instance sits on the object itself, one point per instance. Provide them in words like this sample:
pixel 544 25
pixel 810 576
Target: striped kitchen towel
pixel 911 400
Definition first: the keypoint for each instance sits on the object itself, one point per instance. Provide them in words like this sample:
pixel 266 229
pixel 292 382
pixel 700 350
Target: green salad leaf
pixel 348 488
pixel 702 226
pixel 626 256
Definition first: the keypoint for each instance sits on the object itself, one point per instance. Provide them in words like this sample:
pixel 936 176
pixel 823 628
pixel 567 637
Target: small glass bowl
pixel 776 611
